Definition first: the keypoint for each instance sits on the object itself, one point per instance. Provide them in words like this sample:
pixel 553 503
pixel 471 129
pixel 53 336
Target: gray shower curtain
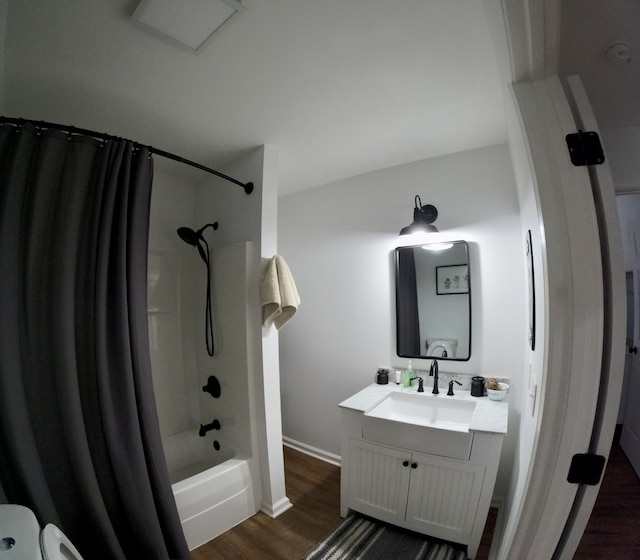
pixel 78 426
pixel 407 317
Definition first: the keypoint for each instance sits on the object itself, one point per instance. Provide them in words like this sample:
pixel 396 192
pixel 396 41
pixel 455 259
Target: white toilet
pixel 437 346
pixel 22 539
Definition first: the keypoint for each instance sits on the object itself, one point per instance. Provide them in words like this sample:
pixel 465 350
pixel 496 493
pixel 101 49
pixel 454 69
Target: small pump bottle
pixel 408 375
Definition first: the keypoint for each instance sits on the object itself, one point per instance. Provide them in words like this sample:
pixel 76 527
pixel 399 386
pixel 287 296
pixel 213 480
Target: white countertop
pixel 489 416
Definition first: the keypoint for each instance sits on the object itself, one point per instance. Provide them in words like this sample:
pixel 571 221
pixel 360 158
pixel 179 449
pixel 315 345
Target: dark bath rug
pixel 361 538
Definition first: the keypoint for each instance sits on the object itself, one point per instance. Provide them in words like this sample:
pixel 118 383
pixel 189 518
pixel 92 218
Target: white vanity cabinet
pixel 422 492
pixel 444 497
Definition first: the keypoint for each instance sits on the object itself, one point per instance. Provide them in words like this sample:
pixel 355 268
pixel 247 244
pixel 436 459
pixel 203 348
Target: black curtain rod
pixel 248 187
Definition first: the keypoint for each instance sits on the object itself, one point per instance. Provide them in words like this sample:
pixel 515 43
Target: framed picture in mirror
pixel 452 279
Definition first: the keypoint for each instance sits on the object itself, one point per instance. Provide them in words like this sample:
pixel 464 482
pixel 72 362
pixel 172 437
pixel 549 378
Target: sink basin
pixel 425 410
pixel 422 422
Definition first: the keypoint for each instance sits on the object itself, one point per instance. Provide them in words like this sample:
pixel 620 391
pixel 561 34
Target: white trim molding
pixel 325 456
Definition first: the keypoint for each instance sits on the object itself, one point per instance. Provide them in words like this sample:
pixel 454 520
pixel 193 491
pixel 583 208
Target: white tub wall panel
pixel 172 372
pixel 229 363
pixel 229 253
pixel 167 366
pixel 171 263
pixel 186 448
pixel 162 281
pixel 192 281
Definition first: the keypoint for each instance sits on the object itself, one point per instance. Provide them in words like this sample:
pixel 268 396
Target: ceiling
pixel 588 28
pixel 338 87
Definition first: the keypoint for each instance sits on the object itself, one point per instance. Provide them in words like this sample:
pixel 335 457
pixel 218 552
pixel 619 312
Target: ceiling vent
pixel 189 24
pixel 618 52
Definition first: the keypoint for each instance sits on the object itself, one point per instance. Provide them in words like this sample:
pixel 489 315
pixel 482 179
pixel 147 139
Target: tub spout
pixel 215 425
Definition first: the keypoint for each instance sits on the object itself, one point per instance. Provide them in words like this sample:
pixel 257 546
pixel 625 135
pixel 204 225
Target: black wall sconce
pixel 423 218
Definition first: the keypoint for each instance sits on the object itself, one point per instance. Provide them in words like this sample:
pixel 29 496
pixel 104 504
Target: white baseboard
pixel 276 509
pixel 312 451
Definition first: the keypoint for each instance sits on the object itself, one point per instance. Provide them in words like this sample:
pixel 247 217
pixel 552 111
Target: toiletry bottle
pixel 408 375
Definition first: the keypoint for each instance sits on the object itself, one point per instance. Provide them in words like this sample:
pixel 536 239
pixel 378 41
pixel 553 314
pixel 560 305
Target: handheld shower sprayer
pixel 196 239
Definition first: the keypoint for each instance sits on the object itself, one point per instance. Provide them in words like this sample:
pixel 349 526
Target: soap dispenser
pixel 408 375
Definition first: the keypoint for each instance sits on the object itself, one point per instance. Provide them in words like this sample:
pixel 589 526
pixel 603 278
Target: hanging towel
pixel 270 291
pixel 278 293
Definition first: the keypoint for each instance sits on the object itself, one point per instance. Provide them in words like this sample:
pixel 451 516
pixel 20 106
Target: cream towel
pixel 270 291
pixel 278 293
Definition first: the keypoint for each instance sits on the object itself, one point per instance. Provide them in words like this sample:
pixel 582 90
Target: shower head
pixel 192 237
pixel 188 235
pixel 195 238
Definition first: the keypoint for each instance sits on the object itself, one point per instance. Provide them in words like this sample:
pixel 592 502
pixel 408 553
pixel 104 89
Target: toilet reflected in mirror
pixel 441 347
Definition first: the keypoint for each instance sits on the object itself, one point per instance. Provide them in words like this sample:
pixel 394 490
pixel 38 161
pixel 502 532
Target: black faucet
pixel 215 425
pixel 450 391
pixel 433 372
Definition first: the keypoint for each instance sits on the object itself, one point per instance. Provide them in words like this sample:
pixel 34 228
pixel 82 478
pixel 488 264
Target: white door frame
pixel 613 343
pixel 573 317
pixel 579 338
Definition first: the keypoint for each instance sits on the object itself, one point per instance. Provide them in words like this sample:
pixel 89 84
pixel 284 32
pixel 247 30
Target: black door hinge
pixel 585 148
pixel 586 468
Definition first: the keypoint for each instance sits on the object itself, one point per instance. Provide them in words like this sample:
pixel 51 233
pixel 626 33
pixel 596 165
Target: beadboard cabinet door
pixel 443 497
pixel 378 480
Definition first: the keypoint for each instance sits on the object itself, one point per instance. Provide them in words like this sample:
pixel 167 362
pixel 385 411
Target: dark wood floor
pixel 313 487
pixel 613 531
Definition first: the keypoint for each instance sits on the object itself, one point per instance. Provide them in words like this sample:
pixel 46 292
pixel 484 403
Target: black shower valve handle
pixel 212 387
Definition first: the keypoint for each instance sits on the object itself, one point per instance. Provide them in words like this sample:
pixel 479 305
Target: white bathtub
pixel 214 500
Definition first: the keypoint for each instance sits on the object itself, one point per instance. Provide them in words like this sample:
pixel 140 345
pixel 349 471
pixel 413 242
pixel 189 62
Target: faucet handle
pixel 450 391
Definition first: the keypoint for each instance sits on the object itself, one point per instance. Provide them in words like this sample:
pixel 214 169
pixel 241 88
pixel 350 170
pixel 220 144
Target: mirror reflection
pixel 433 301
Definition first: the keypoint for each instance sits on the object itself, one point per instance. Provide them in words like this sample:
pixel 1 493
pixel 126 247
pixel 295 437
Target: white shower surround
pixel 214 490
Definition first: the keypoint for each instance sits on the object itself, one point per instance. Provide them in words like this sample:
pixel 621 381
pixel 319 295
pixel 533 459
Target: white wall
pixel 621 151
pixel 338 241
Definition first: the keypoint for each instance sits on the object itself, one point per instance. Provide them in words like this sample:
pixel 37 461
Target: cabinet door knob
pixel 414 465
pixel 405 463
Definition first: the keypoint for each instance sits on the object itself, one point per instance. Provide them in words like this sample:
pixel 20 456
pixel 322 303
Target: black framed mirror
pixel 433 301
